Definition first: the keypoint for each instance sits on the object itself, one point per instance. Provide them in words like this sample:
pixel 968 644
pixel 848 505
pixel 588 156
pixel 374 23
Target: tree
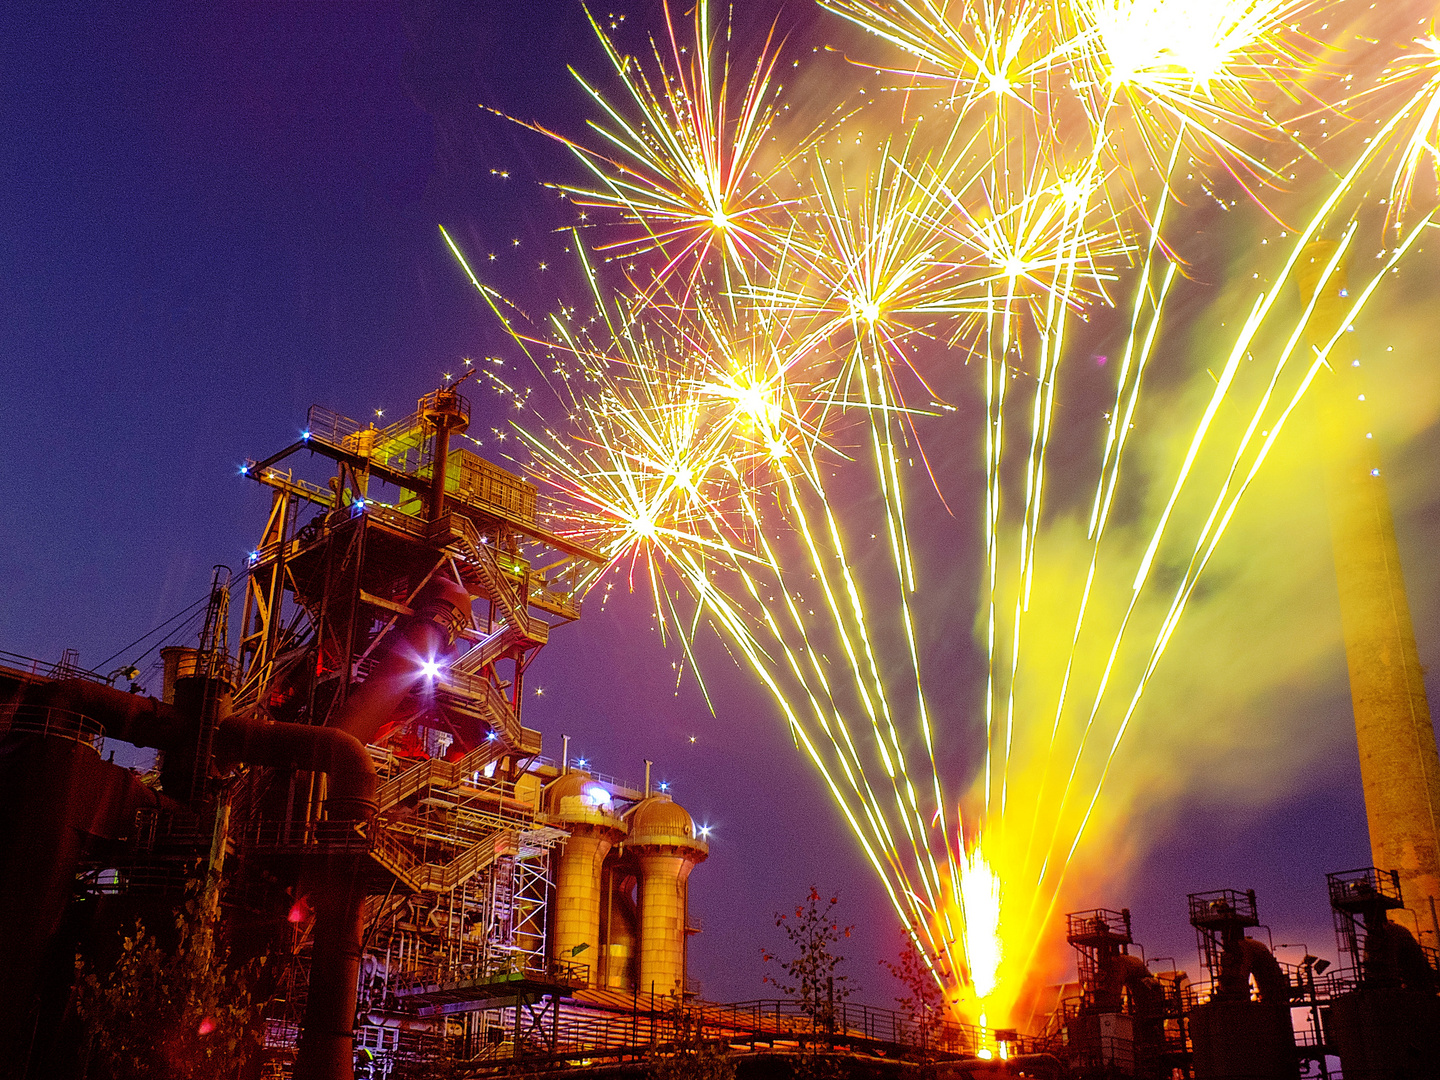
pixel 811 972
pixel 923 1002
pixel 175 1006
pixel 693 1057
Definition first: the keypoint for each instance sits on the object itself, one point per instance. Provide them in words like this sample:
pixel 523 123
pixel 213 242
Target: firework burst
pixel 793 317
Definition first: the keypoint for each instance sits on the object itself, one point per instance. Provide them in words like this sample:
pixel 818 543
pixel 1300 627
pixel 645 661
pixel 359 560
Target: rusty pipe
pixel 338 754
pixel 141 721
pixel 327 1044
pixel 326 1049
pixel 422 640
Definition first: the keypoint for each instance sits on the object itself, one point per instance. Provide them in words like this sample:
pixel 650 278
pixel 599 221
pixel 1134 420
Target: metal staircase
pixel 509 589
pixel 396 856
pixel 435 772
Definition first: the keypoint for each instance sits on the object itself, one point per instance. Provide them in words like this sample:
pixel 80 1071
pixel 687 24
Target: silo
pixel 583 808
pixel 662 837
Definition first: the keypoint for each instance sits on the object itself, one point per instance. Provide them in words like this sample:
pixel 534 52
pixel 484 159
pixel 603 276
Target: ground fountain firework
pixel 780 309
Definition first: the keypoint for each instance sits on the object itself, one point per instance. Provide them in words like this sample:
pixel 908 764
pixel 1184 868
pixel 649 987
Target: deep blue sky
pixel 215 215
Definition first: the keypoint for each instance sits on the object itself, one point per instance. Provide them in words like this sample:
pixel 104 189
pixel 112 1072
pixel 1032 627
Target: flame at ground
pixel 980 919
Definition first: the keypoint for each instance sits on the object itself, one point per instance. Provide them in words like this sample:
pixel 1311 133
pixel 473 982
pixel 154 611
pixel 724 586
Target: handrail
pixel 50 669
pixel 435 772
pixel 487 649
pixel 648 1026
pixel 606 779
pixel 433 877
pixel 52 723
pixel 482 558
pixel 481 691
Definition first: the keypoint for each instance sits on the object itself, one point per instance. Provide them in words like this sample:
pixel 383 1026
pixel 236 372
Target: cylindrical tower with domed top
pixel 582 808
pixel 662 837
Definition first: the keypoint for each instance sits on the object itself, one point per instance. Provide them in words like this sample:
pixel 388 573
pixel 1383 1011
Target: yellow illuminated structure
pixel 584 809
pixel 662 836
pixel 621 884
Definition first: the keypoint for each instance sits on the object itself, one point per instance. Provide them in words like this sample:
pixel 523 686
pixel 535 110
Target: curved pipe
pixel 327 1043
pixel 442 610
pixel 337 754
pixel 1245 959
pixel 141 721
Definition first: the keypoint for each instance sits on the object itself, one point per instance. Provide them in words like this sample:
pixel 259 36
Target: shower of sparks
pixel 736 419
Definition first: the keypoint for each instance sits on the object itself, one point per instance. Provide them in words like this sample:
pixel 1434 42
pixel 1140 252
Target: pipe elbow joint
pixel 338 754
pixel 446 605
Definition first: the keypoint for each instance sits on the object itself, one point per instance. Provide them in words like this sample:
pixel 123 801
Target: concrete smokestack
pixel 1399 762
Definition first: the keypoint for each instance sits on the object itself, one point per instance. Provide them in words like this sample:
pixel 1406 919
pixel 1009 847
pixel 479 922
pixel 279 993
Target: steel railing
pixel 659 1026
pixel 49 722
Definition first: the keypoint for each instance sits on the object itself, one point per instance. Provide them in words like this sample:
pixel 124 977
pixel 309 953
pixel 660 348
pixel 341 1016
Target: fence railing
pixel 66 668
pixel 781 1025
pixel 50 722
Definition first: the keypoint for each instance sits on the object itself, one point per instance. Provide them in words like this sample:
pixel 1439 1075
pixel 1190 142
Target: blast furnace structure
pixel 358 775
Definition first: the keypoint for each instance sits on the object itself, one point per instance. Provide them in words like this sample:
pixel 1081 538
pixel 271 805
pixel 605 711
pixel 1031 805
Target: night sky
pixel 217 215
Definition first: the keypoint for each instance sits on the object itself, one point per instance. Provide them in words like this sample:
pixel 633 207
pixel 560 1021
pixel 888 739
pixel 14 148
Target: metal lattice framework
pixel 457 864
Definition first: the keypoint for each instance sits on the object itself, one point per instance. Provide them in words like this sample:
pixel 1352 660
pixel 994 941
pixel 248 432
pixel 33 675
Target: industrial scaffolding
pixel 457 858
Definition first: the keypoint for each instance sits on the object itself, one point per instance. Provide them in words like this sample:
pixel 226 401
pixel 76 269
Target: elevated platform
pixel 494 991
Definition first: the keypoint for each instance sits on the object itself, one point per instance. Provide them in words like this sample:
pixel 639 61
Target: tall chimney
pixel 1399 762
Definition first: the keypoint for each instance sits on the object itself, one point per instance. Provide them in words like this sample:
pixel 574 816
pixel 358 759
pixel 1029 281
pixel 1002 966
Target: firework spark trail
pixel 877 265
pixel 1057 309
pixel 638 508
pixel 1248 28
pixel 1116 437
pixel 1343 187
pixel 735 625
pixel 1424 142
pixel 880 412
pixel 911 819
pixel 690 172
pixel 676 451
pixel 1209 540
pixel 1262 308
pixel 985 66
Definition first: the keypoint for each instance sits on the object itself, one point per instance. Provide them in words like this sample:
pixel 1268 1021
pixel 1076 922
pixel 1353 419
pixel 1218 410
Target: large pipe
pixel 55 796
pixel 339 755
pixel 442 608
pixel 419 645
pixel 327 1050
pixel 326 1047
pixel 1399 762
pixel 131 718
